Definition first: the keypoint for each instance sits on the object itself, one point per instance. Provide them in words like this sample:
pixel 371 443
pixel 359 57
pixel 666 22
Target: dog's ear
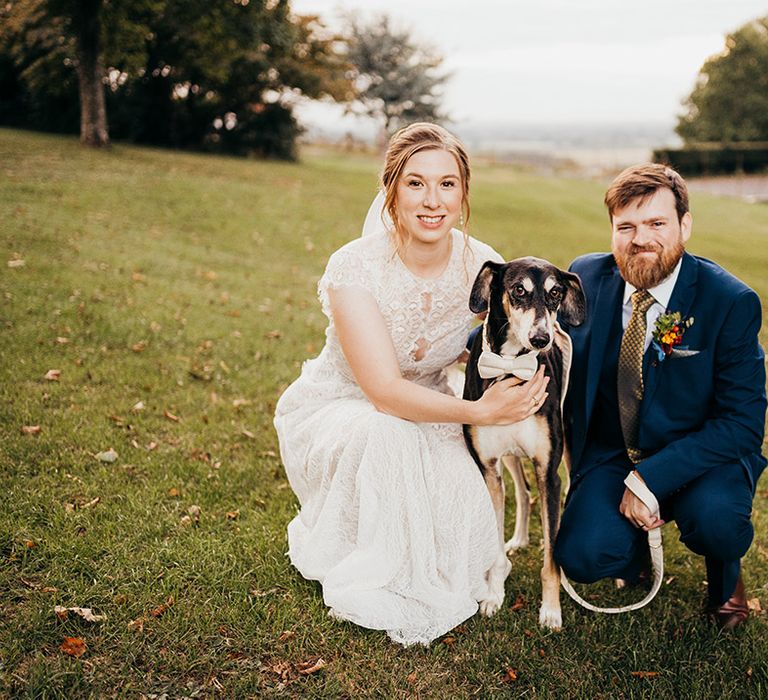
pixel 481 289
pixel 573 309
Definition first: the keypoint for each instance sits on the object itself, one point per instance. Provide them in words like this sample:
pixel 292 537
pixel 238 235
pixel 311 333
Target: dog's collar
pixel 491 365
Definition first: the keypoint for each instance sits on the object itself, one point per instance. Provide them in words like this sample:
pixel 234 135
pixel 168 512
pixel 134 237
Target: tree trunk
pixel 90 74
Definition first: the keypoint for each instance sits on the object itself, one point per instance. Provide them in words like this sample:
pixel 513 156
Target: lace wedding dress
pixel 395 521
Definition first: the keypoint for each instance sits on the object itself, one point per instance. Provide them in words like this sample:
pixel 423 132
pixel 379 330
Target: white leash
pixel 640 490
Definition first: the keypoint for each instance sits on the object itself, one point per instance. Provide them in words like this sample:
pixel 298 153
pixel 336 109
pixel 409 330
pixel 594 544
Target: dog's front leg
pixel 548 480
pixel 500 569
pixel 520 538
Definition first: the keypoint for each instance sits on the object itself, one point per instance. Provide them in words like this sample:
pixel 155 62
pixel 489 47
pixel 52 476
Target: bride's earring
pixel 461 221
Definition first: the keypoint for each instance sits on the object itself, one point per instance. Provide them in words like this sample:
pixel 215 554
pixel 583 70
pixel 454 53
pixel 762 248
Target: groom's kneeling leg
pixel 595 540
pixel 713 514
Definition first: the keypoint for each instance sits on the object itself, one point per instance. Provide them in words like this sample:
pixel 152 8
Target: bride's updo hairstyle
pixel 420 136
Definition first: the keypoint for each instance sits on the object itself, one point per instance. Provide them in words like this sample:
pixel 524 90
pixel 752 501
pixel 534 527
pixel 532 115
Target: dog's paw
pixel 516 543
pixel 491 605
pixel 550 618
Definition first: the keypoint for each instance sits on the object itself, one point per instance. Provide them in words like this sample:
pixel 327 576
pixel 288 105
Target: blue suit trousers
pixel 712 513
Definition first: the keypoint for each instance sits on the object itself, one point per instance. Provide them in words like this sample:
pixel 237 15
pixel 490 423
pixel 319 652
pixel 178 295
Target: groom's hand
pixel 634 510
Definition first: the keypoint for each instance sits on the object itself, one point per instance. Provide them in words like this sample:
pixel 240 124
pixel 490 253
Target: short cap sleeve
pixel 347 267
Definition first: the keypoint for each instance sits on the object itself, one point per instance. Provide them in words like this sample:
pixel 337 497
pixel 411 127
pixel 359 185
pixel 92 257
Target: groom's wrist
pixel 634 482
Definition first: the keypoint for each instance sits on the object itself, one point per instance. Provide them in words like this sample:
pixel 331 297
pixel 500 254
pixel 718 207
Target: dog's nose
pixel 540 340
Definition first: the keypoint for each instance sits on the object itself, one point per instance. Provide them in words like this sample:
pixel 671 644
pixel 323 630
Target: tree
pixel 183 73
pixel 730 99
pixel 396 76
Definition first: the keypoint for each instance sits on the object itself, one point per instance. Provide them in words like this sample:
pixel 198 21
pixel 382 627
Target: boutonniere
pixel 668 333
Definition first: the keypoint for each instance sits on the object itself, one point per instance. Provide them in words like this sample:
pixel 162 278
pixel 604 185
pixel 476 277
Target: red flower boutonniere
pixel 668 332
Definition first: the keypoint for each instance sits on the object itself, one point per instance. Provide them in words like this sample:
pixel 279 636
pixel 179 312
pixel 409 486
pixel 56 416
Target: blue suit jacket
pixel 697 412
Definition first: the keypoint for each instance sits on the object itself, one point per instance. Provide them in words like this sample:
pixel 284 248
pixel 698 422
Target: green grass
pixel 187 282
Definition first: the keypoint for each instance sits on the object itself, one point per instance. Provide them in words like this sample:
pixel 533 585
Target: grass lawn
pixel 175 294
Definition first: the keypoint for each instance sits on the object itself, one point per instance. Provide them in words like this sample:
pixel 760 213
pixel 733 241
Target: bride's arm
pixel 367 345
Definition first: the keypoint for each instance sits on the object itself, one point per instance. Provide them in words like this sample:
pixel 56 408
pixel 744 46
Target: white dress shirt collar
pixel 662 291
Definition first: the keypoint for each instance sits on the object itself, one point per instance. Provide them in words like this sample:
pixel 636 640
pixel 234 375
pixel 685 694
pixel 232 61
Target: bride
pixel 395 521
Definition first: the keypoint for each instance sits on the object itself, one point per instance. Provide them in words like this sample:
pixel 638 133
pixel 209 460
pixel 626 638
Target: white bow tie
pixel 490 365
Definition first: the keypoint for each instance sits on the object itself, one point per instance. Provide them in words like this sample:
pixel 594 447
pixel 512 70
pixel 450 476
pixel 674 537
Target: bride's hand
pixel 506 402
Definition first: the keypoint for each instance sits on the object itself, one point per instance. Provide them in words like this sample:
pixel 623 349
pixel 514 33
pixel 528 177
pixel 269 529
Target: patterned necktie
pixel 630 374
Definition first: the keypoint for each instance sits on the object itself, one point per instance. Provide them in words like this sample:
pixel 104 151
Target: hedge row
pixel 715 158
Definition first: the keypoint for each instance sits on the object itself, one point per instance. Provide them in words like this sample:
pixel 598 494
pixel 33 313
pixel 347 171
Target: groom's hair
pixel 642 182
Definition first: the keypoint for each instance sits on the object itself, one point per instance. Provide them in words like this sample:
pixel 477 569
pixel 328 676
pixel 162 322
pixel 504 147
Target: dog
pixel 522 299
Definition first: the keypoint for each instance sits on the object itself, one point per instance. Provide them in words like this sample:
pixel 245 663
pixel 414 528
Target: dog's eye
pixel 556 294
pixel 518 290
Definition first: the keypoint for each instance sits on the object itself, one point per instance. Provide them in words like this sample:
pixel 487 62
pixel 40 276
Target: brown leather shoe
pixel 734 611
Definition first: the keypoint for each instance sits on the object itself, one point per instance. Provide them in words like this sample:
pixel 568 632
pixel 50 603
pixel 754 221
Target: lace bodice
pixel 428 319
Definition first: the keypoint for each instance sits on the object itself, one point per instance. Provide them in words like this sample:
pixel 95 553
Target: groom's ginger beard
pixel 646 272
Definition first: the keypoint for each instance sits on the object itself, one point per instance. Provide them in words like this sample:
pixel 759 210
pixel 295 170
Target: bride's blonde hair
pixel 420 136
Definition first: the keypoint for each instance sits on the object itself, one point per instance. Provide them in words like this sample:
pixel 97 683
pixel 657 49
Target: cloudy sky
pixel 561 61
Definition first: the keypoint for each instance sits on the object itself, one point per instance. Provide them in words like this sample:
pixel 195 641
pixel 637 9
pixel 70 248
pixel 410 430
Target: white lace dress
pixel 395 521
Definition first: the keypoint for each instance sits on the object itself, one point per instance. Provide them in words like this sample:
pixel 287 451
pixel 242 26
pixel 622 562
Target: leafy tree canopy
pixel 730 99
pixel 397 77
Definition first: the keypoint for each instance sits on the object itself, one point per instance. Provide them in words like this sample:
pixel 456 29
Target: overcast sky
pixel 562 61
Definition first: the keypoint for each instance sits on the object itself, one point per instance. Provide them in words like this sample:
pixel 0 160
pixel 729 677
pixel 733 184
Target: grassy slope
pixel 210 264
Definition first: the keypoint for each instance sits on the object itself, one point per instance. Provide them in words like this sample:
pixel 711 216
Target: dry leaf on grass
pixel 519 604
pixel 30 544
pixel 194 513
pixel 16 263
pixel 411 678
pixel 138 347
pixel 138 277
pixel 248 434
pixel 138 406
pixel 137 625
pixel 274 335
pixel 53 375
pixel 311 666
pixel 238 403
pixel 449 641
pixel 645 674
pixel 108 456
pixel 170 416
pixel 233 514
pixel 30 429
pixel 73 646
pixel 173 492
pixel 162 609
pixel 754 606
pixel 285 636
pixel 510 675
pixel 62 340
pixel 86 613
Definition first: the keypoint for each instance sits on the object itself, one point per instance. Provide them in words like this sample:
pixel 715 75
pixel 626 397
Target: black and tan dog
pixel 522 299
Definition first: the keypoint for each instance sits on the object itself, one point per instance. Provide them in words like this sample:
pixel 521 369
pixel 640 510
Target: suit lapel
pixel 609 295
pixel 681 300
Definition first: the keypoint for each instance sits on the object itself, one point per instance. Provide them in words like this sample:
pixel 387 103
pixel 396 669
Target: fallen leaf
pixel 73 646
pixel 173 492
pixel 30 544
pixel 510 675
pixel 749 672
pixel 285 636
pixel 754 606
pixel 53 375
pixel 186 520
pixel 109 456
pixel 170 416
pixel 411 678
pixel 670 579
pixel 519 604
pixel 151 446
pixel 85 613
pixel 138 406
pixel 233 514
pixel 30 429
pixel 274 335
pixel 137 625
pixel 194 513
pixel 16 263
pixel 645 674
pixel 268 453
pixel 237 403
pixel 248 434
pixel 91 503
pixel 312 666
pixel 61 340
pixel 224 366
pixel 449 641
pixel 542 653
pixel 138 277
pixel 138 347
pixel 120 599
pixel 162 609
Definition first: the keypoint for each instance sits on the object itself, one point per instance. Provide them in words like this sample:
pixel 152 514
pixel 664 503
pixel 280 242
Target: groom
pixel 667 395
